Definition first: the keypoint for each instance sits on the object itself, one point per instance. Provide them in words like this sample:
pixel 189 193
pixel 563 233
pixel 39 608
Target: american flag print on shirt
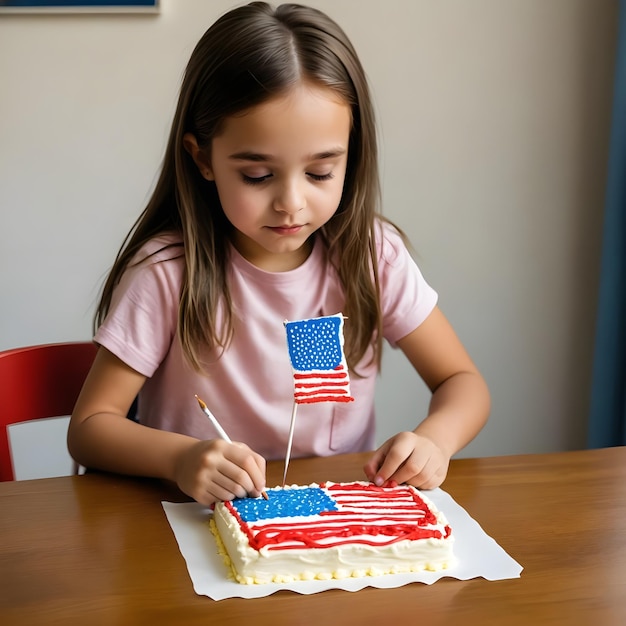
pixel 320 371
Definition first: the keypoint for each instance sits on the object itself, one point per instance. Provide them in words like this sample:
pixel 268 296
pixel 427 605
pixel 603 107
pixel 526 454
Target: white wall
pixel 494 119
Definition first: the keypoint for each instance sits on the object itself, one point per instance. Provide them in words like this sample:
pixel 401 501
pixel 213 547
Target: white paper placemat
pixel 477 554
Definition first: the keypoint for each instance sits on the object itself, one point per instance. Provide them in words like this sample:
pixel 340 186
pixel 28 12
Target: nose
pixel 290 197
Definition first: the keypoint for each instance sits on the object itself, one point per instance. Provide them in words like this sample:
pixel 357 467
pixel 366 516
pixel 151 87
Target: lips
pixel 287 229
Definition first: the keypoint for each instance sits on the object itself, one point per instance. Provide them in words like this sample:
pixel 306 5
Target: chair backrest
pixel 39 382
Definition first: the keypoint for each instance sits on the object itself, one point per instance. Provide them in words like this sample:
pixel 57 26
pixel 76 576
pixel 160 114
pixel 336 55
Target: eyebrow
pixel 262 158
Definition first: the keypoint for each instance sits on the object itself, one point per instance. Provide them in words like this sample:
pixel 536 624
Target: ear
pixel 203 163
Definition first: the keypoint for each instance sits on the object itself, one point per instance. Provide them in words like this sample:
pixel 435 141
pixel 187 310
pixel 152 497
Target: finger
pixel 246 475
pixel 394 464
pixel 390 484
pixel 416 467
pixel 376 460
pixel 431 475
pixel 429 480
pixel 254 465
pixel 216 493
pixel 256 472
pixel 209 493
pixel 222 487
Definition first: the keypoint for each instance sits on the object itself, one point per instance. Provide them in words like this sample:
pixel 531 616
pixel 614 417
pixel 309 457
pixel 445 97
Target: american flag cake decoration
pixel 320 371
pixel 332 530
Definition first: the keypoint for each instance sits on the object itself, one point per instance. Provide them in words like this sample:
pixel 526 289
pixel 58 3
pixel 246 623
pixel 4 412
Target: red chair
pixel 39 382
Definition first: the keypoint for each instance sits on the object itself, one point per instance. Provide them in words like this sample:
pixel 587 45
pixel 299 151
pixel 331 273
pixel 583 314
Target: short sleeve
pixel 406 298
pixel 142 319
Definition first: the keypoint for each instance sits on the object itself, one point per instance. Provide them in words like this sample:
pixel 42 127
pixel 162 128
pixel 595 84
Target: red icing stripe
pixel 323 399
pixel 327 383
pixel 321 375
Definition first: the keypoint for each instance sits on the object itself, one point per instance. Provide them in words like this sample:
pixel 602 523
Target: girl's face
pixel 279 169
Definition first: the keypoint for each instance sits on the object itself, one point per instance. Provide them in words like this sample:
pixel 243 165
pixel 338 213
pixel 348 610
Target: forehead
pixel 306 119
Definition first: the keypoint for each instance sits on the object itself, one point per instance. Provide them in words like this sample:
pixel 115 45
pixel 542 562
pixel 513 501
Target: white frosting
pixel 353 559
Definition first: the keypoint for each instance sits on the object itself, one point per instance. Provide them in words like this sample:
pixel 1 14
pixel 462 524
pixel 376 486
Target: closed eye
pixel 255 180
pixel 259 180
pixel 320 177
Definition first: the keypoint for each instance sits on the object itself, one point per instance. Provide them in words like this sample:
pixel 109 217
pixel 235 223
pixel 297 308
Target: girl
pixel 266 209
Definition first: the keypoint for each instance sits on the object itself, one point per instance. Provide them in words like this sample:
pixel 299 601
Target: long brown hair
pixel 250 54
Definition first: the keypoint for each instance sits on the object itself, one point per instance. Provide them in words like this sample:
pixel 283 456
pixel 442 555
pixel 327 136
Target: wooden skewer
pixel 219 429
pixel 291 429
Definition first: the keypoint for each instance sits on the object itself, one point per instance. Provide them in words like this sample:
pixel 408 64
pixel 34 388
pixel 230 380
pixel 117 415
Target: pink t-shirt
pixel 249 388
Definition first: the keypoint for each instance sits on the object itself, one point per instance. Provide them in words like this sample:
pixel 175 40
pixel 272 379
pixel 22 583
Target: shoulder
pixel 406 298
pixel 156 271
pixel 142 318
pixel 391 243
pixel 162 256
pixel 164 247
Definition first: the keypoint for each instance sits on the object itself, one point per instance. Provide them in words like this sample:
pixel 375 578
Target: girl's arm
pixel 100 436
pixel 458 409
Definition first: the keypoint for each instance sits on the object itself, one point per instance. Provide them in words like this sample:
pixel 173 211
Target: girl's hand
pixel 215 470
pixel 408 458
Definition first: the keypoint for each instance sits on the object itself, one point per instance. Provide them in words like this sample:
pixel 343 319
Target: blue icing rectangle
pixel 303 501
pixel 314 344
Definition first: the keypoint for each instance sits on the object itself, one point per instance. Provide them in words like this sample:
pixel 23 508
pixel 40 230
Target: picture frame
pixel 79 6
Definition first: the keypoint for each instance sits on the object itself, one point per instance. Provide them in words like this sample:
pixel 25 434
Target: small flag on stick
pixel 320 371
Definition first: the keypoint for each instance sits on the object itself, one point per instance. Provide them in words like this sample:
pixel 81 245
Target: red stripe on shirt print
pixel 367 515
pixel 328 386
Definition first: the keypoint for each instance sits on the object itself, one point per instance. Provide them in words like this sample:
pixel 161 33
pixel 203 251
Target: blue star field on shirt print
pixel 319 365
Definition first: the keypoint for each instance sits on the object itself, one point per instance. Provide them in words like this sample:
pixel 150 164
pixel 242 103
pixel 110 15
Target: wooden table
pixel 97 549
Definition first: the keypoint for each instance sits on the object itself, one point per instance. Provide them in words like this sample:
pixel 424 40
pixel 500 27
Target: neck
pixel 275 262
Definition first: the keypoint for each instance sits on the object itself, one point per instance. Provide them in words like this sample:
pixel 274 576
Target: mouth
pixel 287 229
